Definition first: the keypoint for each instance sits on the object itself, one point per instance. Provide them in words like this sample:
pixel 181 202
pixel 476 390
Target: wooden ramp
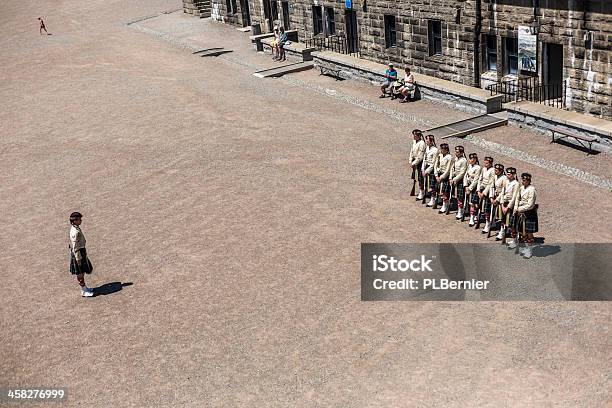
pixel 465 127
pixel 213 52
pixel 207 49
pixel 284 69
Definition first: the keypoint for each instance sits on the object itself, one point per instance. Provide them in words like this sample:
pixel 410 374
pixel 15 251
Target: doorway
pixel 285 7
pixel 552 70
pixel 268 15
pixel 352 32
pixel 246 13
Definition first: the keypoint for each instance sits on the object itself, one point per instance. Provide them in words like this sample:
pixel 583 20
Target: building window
pixel 285 6
pixel 234 7
pixel 434 31
pixel 491 54
pixel 317 19
pixel 331 24
pixel 511 56
pixel 228 6
pixel 390 33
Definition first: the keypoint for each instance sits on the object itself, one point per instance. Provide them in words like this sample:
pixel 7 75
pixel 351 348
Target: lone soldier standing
pixel 525 216
pixel 79 262
pixel 431 156
pixel 442 171
pixel 470 181
pixel 417 153
pixel 458 170
pixel 485 184
pixel 505 201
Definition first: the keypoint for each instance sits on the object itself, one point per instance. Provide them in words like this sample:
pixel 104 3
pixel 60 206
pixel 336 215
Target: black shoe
pixel 382 96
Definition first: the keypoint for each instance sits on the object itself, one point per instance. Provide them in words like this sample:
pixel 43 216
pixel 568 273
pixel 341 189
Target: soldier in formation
pixel 490 193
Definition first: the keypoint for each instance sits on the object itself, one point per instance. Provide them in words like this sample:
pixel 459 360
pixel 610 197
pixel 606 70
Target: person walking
pixel 42 26
pixel 79 262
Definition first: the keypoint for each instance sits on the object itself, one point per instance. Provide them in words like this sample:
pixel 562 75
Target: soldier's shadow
pixel 542 251
pixel 110 288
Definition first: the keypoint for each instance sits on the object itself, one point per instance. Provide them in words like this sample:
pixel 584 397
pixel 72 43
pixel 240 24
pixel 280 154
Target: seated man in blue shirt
pixel 390 78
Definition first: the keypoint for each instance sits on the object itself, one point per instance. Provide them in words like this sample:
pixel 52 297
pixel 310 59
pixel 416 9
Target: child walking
pixel 42 26
pixel 79 262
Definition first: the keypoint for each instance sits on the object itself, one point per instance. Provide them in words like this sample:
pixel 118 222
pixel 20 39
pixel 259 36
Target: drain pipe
pixel 477 32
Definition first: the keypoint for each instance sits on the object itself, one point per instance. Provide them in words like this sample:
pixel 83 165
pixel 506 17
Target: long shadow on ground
pixel 110 288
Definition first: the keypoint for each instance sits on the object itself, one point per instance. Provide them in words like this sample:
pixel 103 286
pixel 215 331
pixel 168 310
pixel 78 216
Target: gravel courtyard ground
pixel 234 209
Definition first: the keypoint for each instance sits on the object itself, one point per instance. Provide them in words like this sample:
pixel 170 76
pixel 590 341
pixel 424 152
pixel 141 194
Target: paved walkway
pixel 236 208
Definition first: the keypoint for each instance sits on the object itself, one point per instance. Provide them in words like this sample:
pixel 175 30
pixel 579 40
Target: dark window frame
pixel 234 7
pixel 317 20
pixel 228 6
pixel 434 36
pixel 390 31
pixel 511 56
pixel 490 52
pixel 330 20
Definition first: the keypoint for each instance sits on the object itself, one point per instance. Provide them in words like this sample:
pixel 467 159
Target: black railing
pixel 529 89
pixel 336 43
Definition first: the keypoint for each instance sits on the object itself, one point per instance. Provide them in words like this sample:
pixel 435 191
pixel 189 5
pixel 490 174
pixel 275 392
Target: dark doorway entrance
pixel 246 13
pixel 268 15
pixel 285 6
pixel 352 32
pixel 552 70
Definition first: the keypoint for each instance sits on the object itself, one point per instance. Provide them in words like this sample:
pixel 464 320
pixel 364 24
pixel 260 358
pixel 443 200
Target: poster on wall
pixel 527 49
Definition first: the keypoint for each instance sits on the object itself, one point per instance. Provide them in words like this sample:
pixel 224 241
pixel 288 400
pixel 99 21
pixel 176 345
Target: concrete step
pixel 284 69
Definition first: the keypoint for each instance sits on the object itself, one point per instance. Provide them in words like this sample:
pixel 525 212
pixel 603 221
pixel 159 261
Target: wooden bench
pixel 256 39
pixel 329 70
pixel 581 139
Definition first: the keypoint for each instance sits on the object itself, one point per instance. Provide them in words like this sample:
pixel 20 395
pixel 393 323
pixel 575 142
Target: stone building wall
pixel 587 70
pixel 586 38
pixel 455 63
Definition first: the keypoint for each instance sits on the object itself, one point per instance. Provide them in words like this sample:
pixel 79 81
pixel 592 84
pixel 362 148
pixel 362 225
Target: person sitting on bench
pixel 390 78
pixel 409 88
pixel 274 44
pixel 282 39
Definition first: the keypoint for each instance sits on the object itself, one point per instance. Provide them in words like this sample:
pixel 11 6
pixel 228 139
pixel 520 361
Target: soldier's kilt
pixel 486 207
pixel 459 191
pixel 511 219
pixel 433 183
pixel 527 222
pixel 420 175
pixel 445 187
pixel 85 267
pixel 474 197
pixel 504 218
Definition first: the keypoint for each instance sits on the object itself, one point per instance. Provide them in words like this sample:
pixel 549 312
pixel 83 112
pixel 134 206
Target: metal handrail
pixel 335 43
pixel 529 89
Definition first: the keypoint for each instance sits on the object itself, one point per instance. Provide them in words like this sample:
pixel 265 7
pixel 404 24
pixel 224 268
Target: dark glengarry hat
pixel 75 216
pixel 460 149
pixel 444 146
pixel 526 176
pixel 473 156
pixel 499 166
pixel 489 158
pixel 417 132
pixel 511 170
